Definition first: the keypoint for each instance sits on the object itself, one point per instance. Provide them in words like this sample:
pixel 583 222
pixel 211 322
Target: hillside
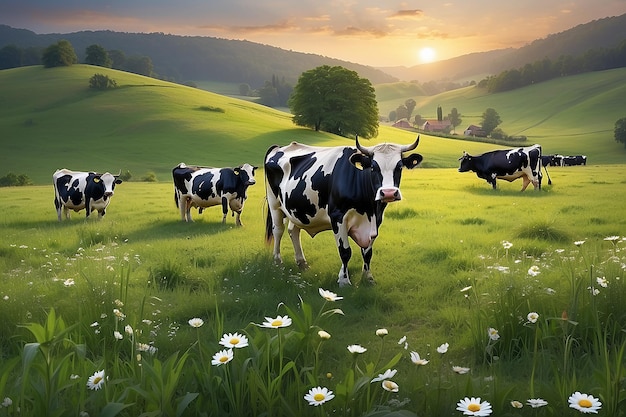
pixel 602 33
pixel 574 115
pixel 183 58
pixel 50 119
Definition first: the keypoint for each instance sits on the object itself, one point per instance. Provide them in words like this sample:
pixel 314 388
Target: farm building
pixel 473 130
pixel 437 126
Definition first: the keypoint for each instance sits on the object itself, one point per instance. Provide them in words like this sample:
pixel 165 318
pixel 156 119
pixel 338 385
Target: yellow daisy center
pixel 473 407
pixel 585 403
pixel 319 397
pixel 277 323
pixel 234 341
pixel 97 380
pixel 224 359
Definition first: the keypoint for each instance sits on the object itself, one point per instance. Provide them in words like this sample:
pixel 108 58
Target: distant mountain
pixel 603 33
pixel 183 58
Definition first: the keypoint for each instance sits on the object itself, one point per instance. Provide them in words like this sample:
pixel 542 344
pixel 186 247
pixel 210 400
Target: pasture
pixel 443 276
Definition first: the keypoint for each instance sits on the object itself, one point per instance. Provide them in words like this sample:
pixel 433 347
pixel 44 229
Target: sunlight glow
pixel 427 54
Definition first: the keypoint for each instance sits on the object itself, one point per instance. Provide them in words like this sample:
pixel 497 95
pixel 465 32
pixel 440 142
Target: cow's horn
pixel 363 149
pixel 407 148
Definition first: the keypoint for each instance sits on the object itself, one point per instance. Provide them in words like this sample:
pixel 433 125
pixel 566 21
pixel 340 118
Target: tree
pixel 97 55
pixel 335 100
pixel 439 113
pixel 118 59
pixel 620 130
pixel 402 112
pixel 59 54
pixel 10 57
pixel 140 65
pixel 455 118
pixel 410 106
pixel 418 121
pixel 491 120
pixel 101 82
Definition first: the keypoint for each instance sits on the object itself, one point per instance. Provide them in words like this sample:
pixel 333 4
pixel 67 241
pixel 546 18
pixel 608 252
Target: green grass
pixel 446 235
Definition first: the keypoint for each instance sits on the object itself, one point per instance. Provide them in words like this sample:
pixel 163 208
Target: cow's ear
pixel 96 179
pixel 118 181
pixel 237 170
pixel 361 161
pixel 412 160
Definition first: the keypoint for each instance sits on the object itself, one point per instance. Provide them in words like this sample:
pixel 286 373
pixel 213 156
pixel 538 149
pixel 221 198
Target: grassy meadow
pixel 124 316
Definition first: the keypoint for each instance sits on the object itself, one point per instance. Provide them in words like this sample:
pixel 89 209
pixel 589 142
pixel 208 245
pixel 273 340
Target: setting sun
pixel 427 54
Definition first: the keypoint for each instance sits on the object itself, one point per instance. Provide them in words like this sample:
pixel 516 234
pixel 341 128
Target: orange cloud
pixel 352 31
pixel 408 14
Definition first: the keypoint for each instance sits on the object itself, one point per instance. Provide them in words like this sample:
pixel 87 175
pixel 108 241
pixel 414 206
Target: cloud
pixel 352 31
pixel 408 14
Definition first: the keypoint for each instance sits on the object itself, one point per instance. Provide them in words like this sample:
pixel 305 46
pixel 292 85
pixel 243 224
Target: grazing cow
pixel 340 188
pixel 509 164
pixel 574 160
pixel 207 187
pixel 75 190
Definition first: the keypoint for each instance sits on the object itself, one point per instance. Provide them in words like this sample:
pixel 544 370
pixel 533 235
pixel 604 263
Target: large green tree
pixel 336 100
pixel 491 120
pixel 620 130
pixel 97 55
pixel 455 118
pixel 59 54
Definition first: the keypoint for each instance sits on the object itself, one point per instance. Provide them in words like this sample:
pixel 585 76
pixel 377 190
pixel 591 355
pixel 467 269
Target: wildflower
pixel 402 340
pixel 234 340
pixel 94 324
pixel 469 287
pixel 128 329
pixel 356 349
pixel 118 335
pixel 68 282
pixel 474 407
pixel 612 239
pixel 144 347
pixel 593 291
pixel 536 402
pixel 280 321
pixel 460 370
pixel 382 332
pixel 579 242
pixel 516 404
pixel 532 317
pixel 602 281
pixel 222 357
pixel 389 373
pixel 533 271
pixel 443 348
pixel 119 314
pixel 415 358
pixel 96 381
pixel 6 402
pixel 74 376
pixel 584 403
pixel 319 395
pixel 329 296
pixel 390 386
pixel 323 335
pixel 507 245
pixel 493 334
pixel 196 322
pixel 5 298
pixel 118 303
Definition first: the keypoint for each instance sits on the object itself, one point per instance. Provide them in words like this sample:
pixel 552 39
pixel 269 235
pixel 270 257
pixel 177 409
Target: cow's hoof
pixel 303 266
pixel 344 283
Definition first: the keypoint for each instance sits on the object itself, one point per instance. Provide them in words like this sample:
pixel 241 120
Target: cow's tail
pixel 269 224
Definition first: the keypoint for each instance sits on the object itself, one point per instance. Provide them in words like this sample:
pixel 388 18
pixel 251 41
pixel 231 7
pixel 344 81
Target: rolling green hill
pixel 50 119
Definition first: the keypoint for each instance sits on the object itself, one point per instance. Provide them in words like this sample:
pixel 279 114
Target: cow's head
pixel 385 162
pixel 466 162
pixel 246 173
pixel 108 182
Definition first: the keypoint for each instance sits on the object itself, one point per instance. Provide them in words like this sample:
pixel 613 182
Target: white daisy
pixel 234 340
pixel 329 295
pixel 584 403
pixel 532 317
pixel 415 358
pixel 319 395
pixel 356 349
pixel 460 370
pixel 390 386
pixel 389 373
pixel 96 381
pixel 474 407
pixel 536 402
pixel 222 357
pixel 443 348
pixel 280 321
pixel 196 322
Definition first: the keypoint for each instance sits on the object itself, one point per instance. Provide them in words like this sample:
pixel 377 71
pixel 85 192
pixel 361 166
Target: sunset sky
pixel 377 33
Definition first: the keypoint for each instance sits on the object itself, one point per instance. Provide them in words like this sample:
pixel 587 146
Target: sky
pixel 381 33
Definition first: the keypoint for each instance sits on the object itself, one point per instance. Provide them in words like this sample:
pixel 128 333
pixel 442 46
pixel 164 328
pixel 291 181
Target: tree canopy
pixel 59 54
pixel 491 120
pixel 335 100
pixel 620 130
pixel 97 55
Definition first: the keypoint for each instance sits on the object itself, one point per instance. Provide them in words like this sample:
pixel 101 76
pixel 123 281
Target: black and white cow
pixel 574 160
pixel 75 190
pixel 507 164
pixel 342 189
pixel 207 187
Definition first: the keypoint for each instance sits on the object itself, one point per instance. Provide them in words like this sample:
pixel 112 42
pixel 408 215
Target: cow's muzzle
pixel 108 193
pixel 388 195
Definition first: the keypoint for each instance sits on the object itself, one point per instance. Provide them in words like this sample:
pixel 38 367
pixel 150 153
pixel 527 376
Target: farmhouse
pixel 402 124
pixel 473 130
pixel 436 126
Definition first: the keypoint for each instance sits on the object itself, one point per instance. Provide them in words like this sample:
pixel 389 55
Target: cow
pixel 574 160
pixel 204 187
pixel 76 190
pixel 507 164
pixel 343 189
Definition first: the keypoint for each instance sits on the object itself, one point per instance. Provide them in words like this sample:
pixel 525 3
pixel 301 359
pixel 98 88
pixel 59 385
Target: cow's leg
pixel 237 214
pixel 185 210
pixel 492 181
pixel 224 209
pixel 87 208
pixel 294 234
pixel 367 258
pixel 101 213
pixel 525 182
pixel 66 212
pixel 345 253
pixel 278 229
